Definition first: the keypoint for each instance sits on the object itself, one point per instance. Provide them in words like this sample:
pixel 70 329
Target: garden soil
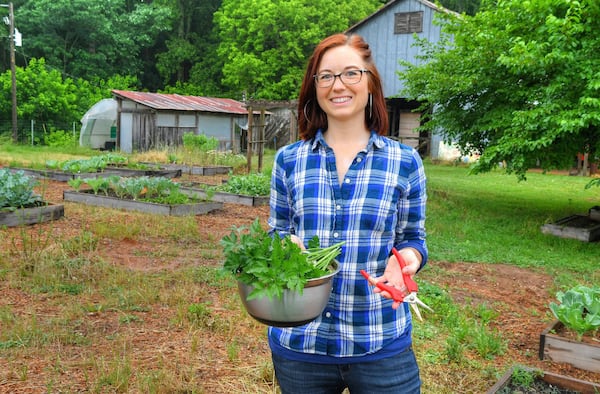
pixel 520 296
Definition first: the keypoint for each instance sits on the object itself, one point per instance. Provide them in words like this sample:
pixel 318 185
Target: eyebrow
pixel 328 70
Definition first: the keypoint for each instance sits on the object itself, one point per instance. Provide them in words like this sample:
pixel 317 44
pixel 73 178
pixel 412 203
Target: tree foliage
pixel 47 98
pixel 518 83
pixel 75 51
pixel 91 39
pixel 468 7
pixel 264 44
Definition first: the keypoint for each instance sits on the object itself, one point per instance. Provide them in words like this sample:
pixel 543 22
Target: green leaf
pixel 579 309
pixel 272 264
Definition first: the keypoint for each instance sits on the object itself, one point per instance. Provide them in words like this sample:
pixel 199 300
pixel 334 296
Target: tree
pixel 49 99
pixel 190 44
pixel 264 44
pixel 469 7
pixel 518 83
pixel 90 39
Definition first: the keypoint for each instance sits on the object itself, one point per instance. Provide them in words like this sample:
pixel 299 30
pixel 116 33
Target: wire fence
pixel 32 132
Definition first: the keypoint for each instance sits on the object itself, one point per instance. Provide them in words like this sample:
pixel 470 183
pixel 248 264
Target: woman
pixel 345 181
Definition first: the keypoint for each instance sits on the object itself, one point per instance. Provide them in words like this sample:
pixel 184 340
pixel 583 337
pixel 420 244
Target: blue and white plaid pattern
pixel 379 204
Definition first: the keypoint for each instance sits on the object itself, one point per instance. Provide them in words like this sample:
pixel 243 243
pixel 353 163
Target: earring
pixel 370 105
pixel 305 113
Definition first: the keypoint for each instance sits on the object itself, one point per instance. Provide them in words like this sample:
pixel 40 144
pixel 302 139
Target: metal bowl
pixel 292 308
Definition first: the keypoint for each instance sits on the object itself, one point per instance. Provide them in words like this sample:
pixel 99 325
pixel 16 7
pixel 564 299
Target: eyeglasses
pixel 348 77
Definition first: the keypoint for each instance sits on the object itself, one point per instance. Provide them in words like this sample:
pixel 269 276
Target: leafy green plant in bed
pixel 98 184
pixel 92 164
pixel 16 190
pixel 579 309
pixel 255 184
pixel 272 264
pixel 150 189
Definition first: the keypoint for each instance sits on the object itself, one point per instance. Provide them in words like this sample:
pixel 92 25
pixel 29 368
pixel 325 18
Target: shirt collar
pixel 375 140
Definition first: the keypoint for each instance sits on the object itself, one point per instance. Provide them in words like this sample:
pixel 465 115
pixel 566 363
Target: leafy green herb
pixel 579 309
pixel 272 264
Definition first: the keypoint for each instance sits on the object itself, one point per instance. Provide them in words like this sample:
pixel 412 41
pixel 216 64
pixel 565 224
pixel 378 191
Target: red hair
pixel 311 117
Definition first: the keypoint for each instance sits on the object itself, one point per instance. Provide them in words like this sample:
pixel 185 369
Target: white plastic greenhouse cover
pixel 96 123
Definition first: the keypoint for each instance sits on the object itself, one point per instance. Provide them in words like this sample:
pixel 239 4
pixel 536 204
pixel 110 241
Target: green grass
pixel 79 301
pixel 494 218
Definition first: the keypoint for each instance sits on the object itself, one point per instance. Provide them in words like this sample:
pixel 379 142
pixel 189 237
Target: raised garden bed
pixel 556 346
pixel 88 197
pixel 252 201
pixel 544 382
pixel 129 172
pixel 581 227
pixel 63 176
pixel 194 170
pixel 32 215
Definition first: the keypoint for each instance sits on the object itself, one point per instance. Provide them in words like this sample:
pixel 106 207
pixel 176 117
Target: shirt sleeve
pixel 413 233
pixel 280 218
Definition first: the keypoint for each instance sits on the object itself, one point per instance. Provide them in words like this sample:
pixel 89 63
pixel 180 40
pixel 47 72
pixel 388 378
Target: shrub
pixel 199 142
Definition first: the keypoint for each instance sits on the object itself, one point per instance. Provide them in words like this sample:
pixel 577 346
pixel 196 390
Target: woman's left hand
pixel 392 275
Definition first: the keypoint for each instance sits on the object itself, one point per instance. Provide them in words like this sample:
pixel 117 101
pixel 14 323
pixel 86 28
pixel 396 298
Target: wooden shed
pixel 390 32
pixel 148 121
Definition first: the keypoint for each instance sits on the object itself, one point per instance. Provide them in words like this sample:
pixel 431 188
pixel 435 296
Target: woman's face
pixel 343 101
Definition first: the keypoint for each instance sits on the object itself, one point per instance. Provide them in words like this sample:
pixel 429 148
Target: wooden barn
pixel 390 33
pixel 148 121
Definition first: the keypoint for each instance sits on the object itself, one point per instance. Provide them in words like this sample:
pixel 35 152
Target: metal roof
pixel 176 102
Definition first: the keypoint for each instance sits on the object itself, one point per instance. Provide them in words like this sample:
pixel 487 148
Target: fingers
pixel 296 239
pixel 411 259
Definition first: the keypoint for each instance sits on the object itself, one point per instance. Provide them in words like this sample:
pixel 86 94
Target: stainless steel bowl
pixel 292 308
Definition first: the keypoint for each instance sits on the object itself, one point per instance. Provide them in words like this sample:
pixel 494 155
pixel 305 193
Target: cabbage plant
pixel 16 190
pixel 579 309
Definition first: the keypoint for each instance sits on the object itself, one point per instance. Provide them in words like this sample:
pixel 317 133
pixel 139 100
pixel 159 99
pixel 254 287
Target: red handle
pixel 410 284
pixel 396 294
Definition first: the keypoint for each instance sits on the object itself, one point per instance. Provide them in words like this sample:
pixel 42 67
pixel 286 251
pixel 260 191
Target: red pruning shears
pixel 409 296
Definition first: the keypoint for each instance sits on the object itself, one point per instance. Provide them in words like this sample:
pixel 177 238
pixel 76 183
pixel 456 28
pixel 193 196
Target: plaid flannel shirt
pixel 378 205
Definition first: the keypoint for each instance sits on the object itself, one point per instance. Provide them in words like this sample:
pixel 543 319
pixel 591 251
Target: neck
pixel 346 131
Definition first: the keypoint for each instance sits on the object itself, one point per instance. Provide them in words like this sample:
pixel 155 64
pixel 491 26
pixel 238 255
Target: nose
pixel 337 78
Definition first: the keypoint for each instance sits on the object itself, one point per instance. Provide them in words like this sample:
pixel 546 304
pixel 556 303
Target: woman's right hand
pixel 296 239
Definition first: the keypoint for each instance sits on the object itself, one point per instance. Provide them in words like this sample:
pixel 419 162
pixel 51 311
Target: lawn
pixel 111 301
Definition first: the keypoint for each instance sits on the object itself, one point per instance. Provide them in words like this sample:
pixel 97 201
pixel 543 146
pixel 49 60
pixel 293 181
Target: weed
pixel 115 375
pixel 199 314
pixel 523 377
pixel 128 319
pixel 233 351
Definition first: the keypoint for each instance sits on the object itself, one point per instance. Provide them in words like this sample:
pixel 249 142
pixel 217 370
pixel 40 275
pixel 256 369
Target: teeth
pixel 340 99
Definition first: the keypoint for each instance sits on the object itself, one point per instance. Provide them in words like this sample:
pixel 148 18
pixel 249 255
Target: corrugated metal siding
pixel 175 102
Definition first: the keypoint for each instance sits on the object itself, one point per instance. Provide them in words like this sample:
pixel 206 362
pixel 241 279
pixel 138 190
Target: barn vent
pixel 408 22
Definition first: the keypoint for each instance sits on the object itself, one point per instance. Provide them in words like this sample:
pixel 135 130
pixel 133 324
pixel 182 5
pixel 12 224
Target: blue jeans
pixel 398 374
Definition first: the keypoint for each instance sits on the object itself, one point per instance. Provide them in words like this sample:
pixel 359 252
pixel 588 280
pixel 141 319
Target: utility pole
pixel 11 38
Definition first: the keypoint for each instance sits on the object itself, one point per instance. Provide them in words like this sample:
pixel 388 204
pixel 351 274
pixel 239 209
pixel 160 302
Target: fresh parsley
pixel 272 264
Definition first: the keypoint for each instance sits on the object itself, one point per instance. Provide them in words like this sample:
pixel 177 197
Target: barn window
pixel 408 22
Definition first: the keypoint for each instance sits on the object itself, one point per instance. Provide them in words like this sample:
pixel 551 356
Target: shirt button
pixel 347 180
pixel 358 159
pixel 338 207
pixel 328 315
pixel 335 235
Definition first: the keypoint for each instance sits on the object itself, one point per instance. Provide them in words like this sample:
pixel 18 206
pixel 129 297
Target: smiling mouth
pixel 340 99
